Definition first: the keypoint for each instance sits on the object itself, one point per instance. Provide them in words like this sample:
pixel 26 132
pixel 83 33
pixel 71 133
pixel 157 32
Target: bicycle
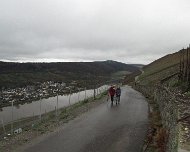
pixel 116 100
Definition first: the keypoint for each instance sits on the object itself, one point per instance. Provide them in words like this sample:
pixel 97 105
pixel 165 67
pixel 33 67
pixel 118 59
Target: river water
pixel 44 105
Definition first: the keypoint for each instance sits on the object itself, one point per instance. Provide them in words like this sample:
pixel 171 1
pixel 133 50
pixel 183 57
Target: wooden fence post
pixel 183 65
pixel 186 67
pixel 180 66
pixel 188 79
pixel 94 91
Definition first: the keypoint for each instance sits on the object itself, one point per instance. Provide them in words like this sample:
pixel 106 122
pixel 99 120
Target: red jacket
pixel 112 91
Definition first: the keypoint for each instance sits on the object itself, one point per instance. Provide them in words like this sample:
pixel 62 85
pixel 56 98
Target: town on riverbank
pixel 38 91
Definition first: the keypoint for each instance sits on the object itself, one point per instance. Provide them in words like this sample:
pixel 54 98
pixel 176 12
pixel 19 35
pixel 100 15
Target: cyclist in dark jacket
pixel 112 93
pixel 118 93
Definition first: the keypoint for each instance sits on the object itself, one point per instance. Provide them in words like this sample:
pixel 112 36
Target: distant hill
pixel 21 74
pixel 138 65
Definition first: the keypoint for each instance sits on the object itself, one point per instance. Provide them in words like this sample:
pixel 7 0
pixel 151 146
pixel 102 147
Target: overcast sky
pixel 130 31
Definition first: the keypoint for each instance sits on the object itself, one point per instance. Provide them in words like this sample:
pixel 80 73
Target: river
pixel 44 105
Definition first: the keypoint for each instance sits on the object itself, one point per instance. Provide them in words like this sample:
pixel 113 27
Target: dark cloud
pixel 87 30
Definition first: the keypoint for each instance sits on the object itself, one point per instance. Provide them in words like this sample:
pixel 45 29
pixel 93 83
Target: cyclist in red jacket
pixel 112 93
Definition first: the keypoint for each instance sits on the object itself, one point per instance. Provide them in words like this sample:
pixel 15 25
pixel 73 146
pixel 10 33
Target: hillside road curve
pixel 120 128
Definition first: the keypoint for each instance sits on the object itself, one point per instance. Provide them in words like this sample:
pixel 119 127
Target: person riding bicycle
pixel 112 93
pixel 118 93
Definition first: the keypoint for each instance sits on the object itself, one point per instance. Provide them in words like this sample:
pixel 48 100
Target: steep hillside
pixel 166 82
pixel 161 69
pixel 20 74
pixel 157 71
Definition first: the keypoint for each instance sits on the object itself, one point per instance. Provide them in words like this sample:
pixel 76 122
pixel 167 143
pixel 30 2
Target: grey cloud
pixel 86 30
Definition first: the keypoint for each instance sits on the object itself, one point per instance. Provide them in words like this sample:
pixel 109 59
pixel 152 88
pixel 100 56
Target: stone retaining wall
pixel 166 102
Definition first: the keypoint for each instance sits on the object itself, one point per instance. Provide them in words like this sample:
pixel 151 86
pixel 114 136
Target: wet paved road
pixel 119 128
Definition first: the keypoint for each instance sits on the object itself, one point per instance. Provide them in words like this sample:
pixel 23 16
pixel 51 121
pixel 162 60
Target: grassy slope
pixel 160 69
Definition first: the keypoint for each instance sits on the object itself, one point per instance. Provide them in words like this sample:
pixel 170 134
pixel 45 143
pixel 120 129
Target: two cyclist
pixel 115 92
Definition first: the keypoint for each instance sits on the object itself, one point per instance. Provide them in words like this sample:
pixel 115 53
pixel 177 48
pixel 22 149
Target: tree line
pixel 23 74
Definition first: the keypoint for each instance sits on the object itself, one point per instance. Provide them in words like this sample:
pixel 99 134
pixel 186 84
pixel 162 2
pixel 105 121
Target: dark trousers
pixel 112 99
pixel 118 96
